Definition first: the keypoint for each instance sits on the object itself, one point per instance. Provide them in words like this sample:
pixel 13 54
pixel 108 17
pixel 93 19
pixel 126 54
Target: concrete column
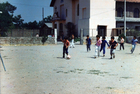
pixel 81 36
pixel 55 35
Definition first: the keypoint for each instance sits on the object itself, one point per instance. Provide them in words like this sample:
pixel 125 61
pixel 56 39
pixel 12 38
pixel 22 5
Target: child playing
pixel 98 44
pixel 65 47
pixel 122 43
pixel 72 42
pixel 134 42
pixel 88 41
pixel 104 42
pixel 113 45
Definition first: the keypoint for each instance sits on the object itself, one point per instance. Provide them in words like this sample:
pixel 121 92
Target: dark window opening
pixel 102 30
pixel 78 10
pixel 119 12
pixel 136 13
pixel 66 12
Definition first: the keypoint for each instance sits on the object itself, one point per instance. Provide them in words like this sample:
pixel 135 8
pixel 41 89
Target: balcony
pixel 128 19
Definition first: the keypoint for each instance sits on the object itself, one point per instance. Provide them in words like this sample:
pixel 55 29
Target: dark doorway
pixel 102 30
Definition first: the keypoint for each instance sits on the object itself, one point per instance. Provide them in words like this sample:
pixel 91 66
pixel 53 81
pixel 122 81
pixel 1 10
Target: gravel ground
pixel 42 70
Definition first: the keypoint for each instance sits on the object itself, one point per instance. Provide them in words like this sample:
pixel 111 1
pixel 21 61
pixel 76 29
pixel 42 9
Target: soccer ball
pixel 68 57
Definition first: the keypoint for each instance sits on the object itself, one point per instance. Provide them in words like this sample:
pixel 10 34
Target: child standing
pixel 134 42
pixel 97 47
pixel 104 42
pixel 72 41
pixel 88 42
pixel 122 43
pixel 113 45
pixel 65 47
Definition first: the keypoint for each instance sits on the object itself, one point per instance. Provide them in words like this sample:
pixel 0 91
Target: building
pixel 46 30
pixel 95 16
pixel 132 14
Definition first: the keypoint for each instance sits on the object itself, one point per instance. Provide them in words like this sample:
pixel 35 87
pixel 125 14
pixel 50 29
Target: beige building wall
pixel 102 12
pixel 84 15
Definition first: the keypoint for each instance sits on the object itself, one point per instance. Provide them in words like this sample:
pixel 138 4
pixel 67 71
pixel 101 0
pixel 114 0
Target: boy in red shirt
pixel 65 47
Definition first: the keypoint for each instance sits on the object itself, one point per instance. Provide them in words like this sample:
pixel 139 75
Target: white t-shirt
pixel 122 40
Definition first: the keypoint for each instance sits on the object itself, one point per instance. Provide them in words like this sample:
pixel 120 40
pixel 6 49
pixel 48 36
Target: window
pixel 62 12
pixel 55 25
pixel 62 1
pixel 102 30
pixel 78 10
pixel 119 12
pixel 55 9
pixel 136 13
pixel 66 12
pixel 84 13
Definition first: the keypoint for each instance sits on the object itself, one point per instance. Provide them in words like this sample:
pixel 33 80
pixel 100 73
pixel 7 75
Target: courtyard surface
pixel 42 70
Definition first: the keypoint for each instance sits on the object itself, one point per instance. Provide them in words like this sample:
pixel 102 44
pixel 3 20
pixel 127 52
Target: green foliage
pixel 121 35
pixel 6 16
pixel 18 21
pixel 77 39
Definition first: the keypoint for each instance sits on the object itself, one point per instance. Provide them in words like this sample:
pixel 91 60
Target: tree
pixel 47 19
pixel 18 21
pixel 6 17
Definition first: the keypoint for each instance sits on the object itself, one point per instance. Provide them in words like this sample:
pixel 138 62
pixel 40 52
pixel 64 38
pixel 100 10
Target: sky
pixel 31 10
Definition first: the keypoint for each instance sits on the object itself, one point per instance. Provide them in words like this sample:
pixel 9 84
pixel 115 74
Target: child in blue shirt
pixel 134 42
pixel 88 41
pixel 103 45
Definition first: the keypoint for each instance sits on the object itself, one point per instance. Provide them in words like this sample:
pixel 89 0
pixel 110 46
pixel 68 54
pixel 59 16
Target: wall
pixel 22 33
pixel 129 39
pixel 25 40
pixel 94 39
pixel 102 12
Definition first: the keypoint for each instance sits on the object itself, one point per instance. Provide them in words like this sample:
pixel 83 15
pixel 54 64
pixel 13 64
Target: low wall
pixel 93 39
pixel 129 39
pixel 25 40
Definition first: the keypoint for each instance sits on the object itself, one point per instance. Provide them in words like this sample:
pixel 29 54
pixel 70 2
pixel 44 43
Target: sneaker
pixel 110 57
pixel 113 56
pixel 103 55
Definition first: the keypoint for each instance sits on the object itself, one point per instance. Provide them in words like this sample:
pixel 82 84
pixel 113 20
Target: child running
pixel 65 47
pixel 97 47
pixel 72 41
pixel 134 42
pixel 103 45
pixel 88 41
pixel 122 43
pixel 113 45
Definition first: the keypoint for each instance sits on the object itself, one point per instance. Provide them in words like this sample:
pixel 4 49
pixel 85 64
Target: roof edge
pixel 52 3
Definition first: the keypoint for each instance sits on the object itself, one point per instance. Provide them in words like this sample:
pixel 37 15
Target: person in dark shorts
pixel 113 45
pixel 65 47
pixel 122 43
pixel 88 41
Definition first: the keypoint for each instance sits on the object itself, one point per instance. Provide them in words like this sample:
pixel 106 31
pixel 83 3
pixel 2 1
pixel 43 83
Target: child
pixel 134 42
pixel 98 44
pixel 65 47
pixel 122 43
pixel 113 45
pixel 72 41
pixel 88 41
pixel 104 42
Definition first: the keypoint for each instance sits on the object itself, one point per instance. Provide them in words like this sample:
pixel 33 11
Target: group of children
pixel 100 45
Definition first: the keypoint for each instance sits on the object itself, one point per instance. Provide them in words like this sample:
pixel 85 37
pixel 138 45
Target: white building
pixel 93 16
